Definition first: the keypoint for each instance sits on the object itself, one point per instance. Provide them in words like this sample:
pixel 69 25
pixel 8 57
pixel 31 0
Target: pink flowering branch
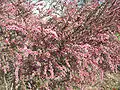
pixel 68 49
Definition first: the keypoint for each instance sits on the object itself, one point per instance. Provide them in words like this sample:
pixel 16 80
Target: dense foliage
pixel 73 49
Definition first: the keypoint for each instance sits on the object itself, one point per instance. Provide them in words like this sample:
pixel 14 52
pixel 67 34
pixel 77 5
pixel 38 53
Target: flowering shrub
pixel 74 49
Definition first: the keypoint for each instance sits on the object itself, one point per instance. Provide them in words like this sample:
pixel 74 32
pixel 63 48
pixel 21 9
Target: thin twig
pixel 6 85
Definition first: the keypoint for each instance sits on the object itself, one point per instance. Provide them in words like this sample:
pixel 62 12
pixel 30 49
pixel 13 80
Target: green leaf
pixel 76 88
pixel 117 34
pixel 119 38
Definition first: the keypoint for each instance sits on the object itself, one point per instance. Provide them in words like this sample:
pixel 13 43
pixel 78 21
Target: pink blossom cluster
pixel 74 48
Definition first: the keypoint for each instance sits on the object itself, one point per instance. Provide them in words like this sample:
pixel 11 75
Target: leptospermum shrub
pixel 74 49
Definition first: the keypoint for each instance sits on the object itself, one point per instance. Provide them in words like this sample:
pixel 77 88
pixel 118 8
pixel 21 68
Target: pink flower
pixel 7 40
pixel 54 34
pixel 16 74
pixel 19 56
pixel 118 28
pixel 51 70
pixel 49 31
pixel 102 74
pixel 10 8
pixel 4 69
pixel 47 54
pixel 14 27
pixel 69 88
pixel 49 11
pixel 35 52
